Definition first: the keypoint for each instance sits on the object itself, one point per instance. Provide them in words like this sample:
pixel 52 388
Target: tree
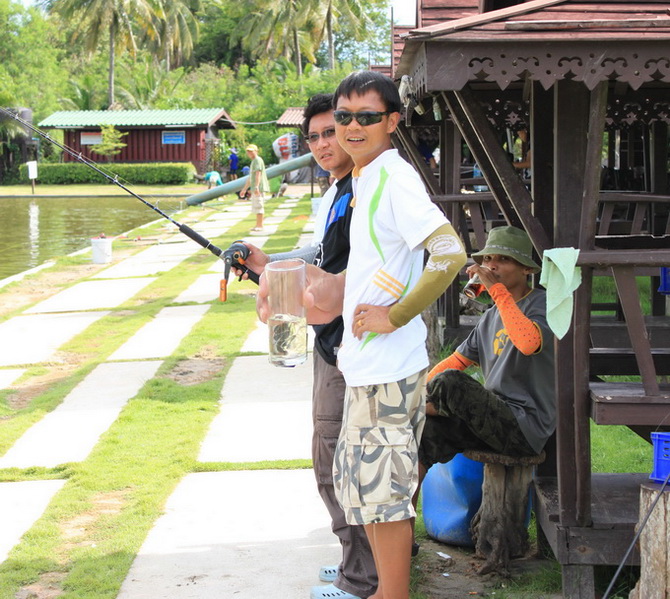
pixel 353 11
pixel 111 143
pixel 361 41
pixel 117 19
pixel 177 31
pixel 295 29
pixel 264 31
pixel 217 42
pixel 31 61
pixel 146 81
pixel 83 94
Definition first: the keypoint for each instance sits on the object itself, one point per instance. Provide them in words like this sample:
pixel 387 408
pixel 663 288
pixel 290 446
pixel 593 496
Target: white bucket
pixel 101 250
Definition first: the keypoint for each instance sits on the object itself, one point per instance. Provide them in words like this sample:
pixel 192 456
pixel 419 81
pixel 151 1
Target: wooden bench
pixel 621 361
pixel 499 528
pixel 628 403
pixel 637 213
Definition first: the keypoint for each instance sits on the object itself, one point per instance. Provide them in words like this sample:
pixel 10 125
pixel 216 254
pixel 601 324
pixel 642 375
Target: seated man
pixel 514 411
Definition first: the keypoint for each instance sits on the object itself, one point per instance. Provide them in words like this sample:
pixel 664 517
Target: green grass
pixel 604 291
pixel 100 190
pixel 88 190
pixel 153 443
pixel 619 449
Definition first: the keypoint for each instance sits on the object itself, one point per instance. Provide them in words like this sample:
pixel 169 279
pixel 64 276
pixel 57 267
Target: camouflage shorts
pixel 375 471
pixel 471 417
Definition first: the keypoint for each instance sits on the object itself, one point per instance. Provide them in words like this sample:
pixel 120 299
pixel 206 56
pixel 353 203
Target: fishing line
pixel 185 229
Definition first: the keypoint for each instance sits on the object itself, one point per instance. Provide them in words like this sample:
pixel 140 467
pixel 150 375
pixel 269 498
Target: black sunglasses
pixel 312 138
pixel 364 118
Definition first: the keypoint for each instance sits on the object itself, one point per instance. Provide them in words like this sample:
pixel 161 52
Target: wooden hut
pixel 571 73
pixel 153 135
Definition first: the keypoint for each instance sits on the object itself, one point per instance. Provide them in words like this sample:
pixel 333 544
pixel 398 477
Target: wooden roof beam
pixel 402 139
pixel 550 25
pixel 482 19
pixel 514 199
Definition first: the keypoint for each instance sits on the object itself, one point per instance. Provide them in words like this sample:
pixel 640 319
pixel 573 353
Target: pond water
pixel 34 230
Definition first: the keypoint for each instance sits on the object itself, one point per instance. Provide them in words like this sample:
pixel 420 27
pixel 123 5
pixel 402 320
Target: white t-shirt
pixel 392 216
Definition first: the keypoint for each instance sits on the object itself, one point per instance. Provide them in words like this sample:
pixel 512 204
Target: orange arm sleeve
pixel 522 331
pixel 455 361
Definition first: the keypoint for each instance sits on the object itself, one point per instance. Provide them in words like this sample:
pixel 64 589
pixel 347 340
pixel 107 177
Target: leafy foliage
pixel 157 173
pixel 30 56
pixel 111 143
pixel 185 54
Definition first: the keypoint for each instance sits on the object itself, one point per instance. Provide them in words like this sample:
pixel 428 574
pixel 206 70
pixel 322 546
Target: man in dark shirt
pixel 355 577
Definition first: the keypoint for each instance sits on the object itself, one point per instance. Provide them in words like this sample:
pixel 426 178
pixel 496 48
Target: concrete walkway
pixel 68 433
pixel 20 505
pixel 235 534
pixel 223 534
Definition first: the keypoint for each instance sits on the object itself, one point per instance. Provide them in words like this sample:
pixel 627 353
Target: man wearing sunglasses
pixel 355 577
pixel 383 355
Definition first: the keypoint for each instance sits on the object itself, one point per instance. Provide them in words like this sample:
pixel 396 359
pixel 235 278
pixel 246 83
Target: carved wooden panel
pixel 622 114
pixel 451 65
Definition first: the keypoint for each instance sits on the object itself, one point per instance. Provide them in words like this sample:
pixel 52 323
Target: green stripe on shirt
pixel 374 204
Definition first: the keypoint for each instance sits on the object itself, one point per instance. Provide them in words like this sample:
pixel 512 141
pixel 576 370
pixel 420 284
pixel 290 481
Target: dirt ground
pixel 450 572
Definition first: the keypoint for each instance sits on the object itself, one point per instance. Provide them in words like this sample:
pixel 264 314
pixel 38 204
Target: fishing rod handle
pixel 200 240
pixel 251 274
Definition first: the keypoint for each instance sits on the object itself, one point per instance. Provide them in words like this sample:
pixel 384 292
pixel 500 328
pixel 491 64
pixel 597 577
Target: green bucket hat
pixel 508 241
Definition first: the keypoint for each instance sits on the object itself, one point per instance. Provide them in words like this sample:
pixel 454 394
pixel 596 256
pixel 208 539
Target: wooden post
pixel 654 580
pixel 499 528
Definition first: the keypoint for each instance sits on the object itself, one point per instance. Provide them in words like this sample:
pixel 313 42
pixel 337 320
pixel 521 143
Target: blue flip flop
pixel 328 573
pixel 330 591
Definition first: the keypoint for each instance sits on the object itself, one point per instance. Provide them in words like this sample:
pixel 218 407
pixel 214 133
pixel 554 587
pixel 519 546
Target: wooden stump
pixel 499 529
pixel 654 580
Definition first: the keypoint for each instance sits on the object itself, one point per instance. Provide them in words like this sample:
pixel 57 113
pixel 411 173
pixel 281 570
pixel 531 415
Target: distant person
pixel 477 174
pixel 524 163
pixel 233 164
pixel 258 184
pixel 212 178
pixel 283 188
pixel 426 153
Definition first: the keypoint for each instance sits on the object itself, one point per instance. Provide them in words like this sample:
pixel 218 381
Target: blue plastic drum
pixel 451 495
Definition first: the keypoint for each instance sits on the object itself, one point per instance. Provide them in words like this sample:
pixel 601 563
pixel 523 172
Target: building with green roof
pixel 175 135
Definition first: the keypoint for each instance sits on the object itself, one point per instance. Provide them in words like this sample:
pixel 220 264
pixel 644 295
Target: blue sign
pixel 173 137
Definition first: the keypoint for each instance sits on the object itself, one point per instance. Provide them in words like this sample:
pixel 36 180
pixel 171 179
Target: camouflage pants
pixel 375 471
pixel 471 417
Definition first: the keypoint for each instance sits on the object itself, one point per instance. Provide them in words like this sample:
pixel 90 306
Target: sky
pixel 404 12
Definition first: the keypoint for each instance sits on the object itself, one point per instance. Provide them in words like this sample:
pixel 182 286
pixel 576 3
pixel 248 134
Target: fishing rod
pixel 234 257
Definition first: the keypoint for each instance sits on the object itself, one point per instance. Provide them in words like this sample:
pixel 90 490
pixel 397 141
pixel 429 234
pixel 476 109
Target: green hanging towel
pixel 560 277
